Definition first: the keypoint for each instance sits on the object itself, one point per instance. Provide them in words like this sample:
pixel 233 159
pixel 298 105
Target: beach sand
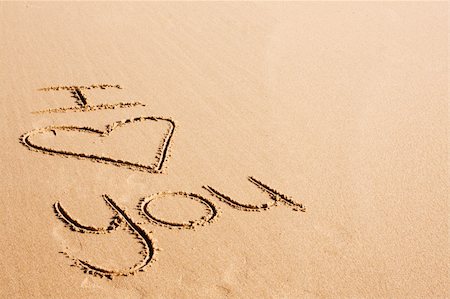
pixel 255 150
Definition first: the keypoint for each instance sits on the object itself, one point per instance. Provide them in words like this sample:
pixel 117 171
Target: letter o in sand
pixel 212 211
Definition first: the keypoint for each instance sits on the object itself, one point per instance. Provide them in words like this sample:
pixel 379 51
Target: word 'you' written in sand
pixel 121 219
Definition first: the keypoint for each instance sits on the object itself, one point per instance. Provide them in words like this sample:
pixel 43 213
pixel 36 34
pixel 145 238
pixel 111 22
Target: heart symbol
pixel 161 154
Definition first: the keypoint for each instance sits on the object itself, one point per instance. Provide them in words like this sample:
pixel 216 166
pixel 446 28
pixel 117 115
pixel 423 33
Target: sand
pixel 224 150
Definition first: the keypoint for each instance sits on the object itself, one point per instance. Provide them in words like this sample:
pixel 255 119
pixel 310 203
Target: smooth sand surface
pixel 271 150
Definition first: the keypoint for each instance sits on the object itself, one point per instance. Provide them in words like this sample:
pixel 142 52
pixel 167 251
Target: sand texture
pixel 224 150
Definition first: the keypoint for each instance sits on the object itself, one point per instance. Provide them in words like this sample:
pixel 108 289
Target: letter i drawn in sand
pixel 81 100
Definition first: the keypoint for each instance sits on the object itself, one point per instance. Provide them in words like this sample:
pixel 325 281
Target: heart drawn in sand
pixel 161 154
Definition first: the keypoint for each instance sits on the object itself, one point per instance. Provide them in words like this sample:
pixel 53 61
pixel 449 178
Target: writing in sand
pixel 120 218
